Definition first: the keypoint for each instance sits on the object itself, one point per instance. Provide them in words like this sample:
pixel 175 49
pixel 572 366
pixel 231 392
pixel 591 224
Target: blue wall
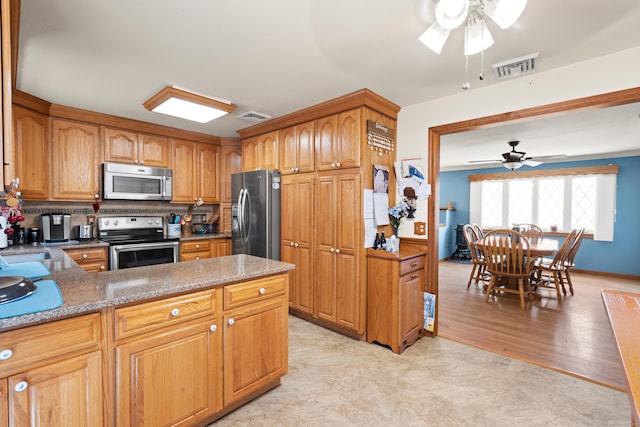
pixel 621 256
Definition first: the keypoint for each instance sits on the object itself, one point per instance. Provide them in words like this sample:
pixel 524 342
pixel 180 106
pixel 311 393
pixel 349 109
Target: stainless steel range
pixel 136 241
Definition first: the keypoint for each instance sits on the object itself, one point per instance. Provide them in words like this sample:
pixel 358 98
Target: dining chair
pixel 569 262
pixel 478 230
pixel 548 272
pixel 508 259
pixel 478 271
pixel 532 231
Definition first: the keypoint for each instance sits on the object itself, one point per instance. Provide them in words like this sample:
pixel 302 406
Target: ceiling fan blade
pixel 485 161
pixel 531 163
pixel 553 157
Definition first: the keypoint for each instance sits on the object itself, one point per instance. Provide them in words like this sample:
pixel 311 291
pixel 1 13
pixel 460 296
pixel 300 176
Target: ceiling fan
pixel 514 159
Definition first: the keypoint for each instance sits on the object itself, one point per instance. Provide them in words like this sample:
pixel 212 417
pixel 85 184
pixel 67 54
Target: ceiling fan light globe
pixel 512 165
pixel 435 37
pixel 476 37
pixel 504 12
pixel 451 14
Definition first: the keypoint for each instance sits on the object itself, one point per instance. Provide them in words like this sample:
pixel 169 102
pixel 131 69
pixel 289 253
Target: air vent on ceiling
pixel 515 67
pixel 254 116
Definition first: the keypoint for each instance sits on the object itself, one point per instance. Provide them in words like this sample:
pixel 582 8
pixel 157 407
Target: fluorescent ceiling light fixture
pixel 187 105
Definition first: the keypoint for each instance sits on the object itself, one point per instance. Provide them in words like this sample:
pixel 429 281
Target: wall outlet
pixel 91 219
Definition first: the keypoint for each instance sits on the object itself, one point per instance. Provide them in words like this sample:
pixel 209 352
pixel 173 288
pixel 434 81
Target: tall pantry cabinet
pixel 326 163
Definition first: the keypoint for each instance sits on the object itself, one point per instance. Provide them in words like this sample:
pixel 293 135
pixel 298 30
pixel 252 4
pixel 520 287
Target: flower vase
pixel 395 231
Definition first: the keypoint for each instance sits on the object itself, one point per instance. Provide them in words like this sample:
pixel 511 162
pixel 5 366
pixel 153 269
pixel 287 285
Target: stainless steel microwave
pixel 123 181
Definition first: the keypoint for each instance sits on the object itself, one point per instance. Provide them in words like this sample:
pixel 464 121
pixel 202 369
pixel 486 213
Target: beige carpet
pixel 337 381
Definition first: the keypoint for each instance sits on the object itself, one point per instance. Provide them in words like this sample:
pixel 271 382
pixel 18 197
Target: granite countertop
pixel 84 292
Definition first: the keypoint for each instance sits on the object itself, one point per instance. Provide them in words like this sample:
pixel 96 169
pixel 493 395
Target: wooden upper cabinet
pixel 230 163
pixel 297 148
pixel 131 147
pixel 208 173
pixel 154 150
pixel 32 153
pixel 76 159
pixel 185 176
pixel 195 172
pixel 338 141
pixel 250 154
pixel 261 152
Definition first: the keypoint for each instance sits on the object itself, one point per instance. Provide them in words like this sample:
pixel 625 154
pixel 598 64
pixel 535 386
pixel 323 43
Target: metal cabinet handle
pixel 296 245
pixel 337 251
pixel 292 244
pixel 413 264
pixel 338 164
pixel 231 322
pixel 6 354
pixel 197 246
pixel 333 165
pixel 85 256
pixel 103 267
pixel 197 258
pixel 261 291
pixel 175 312
pixel 213 328
pixel 415 276
pixel 331 250
pixel 21 386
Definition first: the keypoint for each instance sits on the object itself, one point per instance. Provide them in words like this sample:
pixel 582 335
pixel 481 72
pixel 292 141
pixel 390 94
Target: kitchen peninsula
pixel 173 343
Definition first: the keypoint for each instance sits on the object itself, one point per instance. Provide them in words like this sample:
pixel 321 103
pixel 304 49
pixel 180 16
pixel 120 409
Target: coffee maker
pixel 56 227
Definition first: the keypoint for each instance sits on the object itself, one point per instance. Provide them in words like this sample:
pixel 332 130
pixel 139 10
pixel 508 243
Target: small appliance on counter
pixel 85 232
pixel 56 227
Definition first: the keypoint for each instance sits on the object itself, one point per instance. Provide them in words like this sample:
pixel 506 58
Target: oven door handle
pixel 136 246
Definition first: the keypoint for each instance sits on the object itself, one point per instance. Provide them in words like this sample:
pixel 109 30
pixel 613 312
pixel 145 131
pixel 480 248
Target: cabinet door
pixel 208 173
pixel 325 286
pixel 230 163
pixel 76 154
pixel 255 343
pixel 67 393
pixel 305 141
pixel 326 140
pixel 349 131
pixel 172 378
pixel 32 152
pixel 250 154
pixel 225 218
pixel 120 146
pixel 221 247
pixel 268 154
pixel 185 174
pixel 349 295
pixel 4 404
pixel 154 150
pixel 297 201
pixel 411 305
pixel 288 150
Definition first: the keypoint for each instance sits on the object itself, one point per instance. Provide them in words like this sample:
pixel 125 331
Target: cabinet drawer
pixel 24 348
pixel 195 246
pixel 411 264
pixel 153 315
pixel 194 256
pixel 255 290
pixel 87 254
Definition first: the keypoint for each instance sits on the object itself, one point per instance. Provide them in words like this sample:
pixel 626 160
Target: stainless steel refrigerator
pixel 255 213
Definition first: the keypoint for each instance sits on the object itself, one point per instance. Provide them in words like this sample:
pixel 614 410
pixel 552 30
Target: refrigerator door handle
pixel 246 205
pixel 240 212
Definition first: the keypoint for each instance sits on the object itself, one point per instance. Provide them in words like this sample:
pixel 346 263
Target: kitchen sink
pixel 34 256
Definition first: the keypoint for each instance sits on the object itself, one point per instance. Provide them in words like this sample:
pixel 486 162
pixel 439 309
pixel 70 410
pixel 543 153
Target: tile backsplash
pixel 33 210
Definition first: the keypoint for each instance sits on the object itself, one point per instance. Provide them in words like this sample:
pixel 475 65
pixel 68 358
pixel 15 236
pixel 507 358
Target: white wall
pixel 608 73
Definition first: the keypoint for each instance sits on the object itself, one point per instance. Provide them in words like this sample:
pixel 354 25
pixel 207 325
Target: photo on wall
pixel 380 179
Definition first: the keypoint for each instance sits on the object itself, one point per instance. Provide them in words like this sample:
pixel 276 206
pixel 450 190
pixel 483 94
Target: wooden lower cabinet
pixel 93 260
pixel 395 297
pixel 185 360
pixel 171 377
pixel 51 374
pixel 194 250
pixel 255 337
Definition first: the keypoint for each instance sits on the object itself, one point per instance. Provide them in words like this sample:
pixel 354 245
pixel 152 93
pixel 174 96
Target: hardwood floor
pixel 572 336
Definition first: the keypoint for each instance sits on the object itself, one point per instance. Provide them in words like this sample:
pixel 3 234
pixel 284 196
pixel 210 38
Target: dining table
pixel 537 248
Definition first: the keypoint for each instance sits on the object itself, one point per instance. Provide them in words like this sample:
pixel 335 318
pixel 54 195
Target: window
pixel 579 198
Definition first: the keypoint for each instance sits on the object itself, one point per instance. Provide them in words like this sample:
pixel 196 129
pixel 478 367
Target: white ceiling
pixel 279 56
